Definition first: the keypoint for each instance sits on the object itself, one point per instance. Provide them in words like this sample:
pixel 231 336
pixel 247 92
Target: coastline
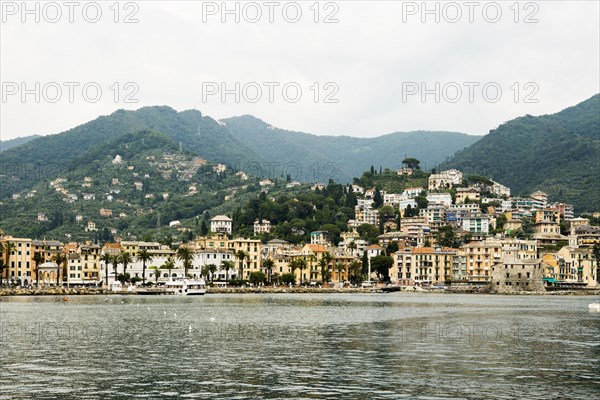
pixel 8 292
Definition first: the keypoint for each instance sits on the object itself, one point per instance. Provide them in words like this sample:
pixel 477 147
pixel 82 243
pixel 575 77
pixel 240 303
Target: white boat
pixel 594 306
pixel 116 287
pixel 186 287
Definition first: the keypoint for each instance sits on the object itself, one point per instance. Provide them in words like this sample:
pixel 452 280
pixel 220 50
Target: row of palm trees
pixel 184 254
pixel 326 265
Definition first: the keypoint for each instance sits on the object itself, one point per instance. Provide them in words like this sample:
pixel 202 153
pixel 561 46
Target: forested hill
pixel 43 158
pixel 557 153
pixel 343 157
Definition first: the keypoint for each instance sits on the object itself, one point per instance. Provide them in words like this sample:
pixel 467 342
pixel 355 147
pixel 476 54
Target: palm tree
pixel 339 267
pixel 143 256
pixel 324 269
pixel 311 258
pixel 302 267
pixel 37 259
pixel 352 246
pixel 241 255
pixel 186 255
pixel 60 258
pixel 268 264
pixel 3 266
pixel 9 247
pixel 106 258
pixel 294 265
pixel 156 273
pixel 125 259
pixel 204 272
pixel 328 258
pixel 354 270
pixel 115 259
pixel 227 266
pixel 212 268
pixel 169 265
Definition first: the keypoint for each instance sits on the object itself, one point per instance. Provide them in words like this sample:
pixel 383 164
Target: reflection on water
pixel 424 346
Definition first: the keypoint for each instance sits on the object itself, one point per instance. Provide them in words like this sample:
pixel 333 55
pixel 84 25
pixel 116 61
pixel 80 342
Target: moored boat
pixel 186 287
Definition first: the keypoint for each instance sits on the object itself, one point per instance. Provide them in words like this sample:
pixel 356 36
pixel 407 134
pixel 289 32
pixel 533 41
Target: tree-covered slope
pixel 153 181
pixel 10 143
pixel 343 157
pixel 558 153
pixel 41 158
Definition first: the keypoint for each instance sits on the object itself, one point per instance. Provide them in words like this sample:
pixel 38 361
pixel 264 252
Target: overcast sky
pixel 375 61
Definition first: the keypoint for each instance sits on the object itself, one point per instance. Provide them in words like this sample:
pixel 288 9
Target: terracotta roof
pixel 317 248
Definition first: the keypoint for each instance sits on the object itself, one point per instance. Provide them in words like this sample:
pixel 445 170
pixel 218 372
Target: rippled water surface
pixel 305 346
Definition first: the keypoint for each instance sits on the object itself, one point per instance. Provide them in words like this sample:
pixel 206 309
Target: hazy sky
pixel 375 61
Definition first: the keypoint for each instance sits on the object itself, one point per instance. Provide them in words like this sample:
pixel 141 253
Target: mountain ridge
pixel 558 153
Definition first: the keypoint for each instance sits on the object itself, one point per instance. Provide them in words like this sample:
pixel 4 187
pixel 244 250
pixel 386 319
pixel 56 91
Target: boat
pixel 594 306
pixel 116 287
pixel 186 287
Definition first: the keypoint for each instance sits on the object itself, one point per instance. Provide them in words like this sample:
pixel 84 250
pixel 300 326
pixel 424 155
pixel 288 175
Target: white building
pixel 500 190
pixel 364 203
pixel 221 224
pixel 412 192
pixel 392 199
pixel 445 179
pixel 476 223
pixel 263 226
pixel 440 199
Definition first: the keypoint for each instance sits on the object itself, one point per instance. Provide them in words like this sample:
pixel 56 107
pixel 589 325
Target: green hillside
pixel 96 180
pixel 342 157
pixel 9 144
pixel 42 158
pixel 558 153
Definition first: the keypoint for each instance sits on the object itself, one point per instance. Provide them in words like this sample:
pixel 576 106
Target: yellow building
pixel 214 241
pixel 253 254
pixel 479 259
pixel 83 265
pixel 422 266
pixel 462 194
pixel 577 265
pixel 20 269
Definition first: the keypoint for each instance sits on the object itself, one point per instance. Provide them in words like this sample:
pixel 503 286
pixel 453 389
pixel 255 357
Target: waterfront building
pixel 517 275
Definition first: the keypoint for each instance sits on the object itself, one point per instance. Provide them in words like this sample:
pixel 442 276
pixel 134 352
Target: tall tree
pixel 106 259
pixel 185 255
pixel 382 265
pixel 3 266
pixel 61 260
pixel 9 248
pixel 212 268
pixel 38 258
pixel 241 255
pixel 377 198
pixel 294 265
pixel 125 258
pixel 324 269
pixel 301 266
pixel 340 268
pixel 156 273
pixel 144 256
pixel 411 163
pixel 227 266
pixel 169 265
pixel 355 272
pixel 268 265
pixel 115 263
